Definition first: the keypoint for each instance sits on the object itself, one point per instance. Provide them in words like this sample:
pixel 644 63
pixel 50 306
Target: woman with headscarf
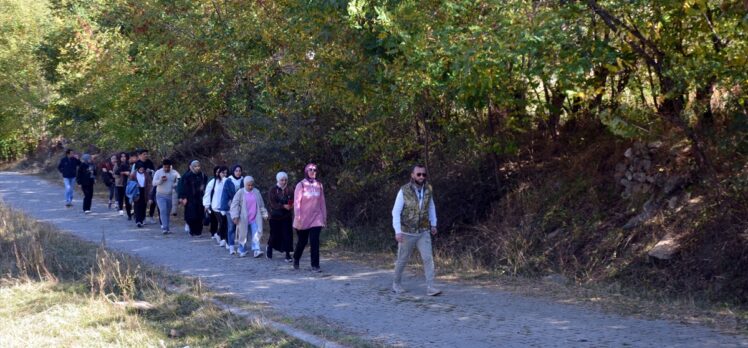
pixel 234 182
pixel 247 211
pixel 191 191
pixel 310 215
pixel 212 204
pixel 86 178
pixel 144 178
pixel 280 199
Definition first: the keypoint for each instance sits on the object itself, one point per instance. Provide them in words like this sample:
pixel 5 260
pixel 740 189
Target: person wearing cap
pixel 68 167
pixel 280 199
pixel 414 222
pixel 310 215
pixel 191 190
pixel 144 179
pixel 86 178
pixel 234 182
pixel 165 180
pixel 247 211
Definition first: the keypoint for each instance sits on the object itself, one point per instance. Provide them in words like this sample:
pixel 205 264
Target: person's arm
pixel 157 178
pixel 397 210
pixel 323 205
pixel 297 193
pixel 273 198
pixel 432 215
pixel 236 206
pixel 261 205
pixel 79 175
pixel 60 166
pixel 206 195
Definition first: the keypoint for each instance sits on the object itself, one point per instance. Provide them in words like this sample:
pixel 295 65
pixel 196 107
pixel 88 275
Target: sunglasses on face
pixel 312 170
pixel 421 175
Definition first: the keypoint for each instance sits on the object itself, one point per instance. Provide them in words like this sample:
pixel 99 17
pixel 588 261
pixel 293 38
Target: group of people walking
pixel 234 209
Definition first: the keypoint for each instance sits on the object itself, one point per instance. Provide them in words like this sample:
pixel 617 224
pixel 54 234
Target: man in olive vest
pixel 414 221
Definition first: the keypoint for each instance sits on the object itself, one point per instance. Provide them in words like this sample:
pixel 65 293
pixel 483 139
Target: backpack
pixel 132 191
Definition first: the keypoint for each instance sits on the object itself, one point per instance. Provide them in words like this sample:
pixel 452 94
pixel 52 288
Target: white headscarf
pixel 278 177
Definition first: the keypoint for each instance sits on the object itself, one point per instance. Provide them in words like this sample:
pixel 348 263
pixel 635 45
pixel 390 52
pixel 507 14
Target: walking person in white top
pixel 165 181
pixel 212 203
pixel 414 221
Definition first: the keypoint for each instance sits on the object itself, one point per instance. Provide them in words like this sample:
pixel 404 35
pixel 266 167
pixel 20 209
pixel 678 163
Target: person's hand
pixel 399 237
pixel 287 206
pixel 183 201
pixel 207 209
pixel 235 220
pixel 150 201
pixel 433 230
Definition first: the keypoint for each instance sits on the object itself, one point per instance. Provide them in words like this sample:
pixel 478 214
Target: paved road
pixel 356 297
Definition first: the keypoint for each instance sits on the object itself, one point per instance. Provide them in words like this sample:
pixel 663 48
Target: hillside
pixel 604 141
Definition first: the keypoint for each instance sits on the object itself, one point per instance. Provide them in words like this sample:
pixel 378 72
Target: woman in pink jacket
pixel 310 215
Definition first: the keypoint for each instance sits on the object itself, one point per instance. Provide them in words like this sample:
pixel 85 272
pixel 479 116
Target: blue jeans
pixel 69 186
pixel 164 209
pixel 255 236
pixel 231 228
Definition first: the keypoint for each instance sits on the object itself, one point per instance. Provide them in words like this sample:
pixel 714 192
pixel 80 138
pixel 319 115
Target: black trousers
pixel 281 236
pixel 311 235
pixel 219 222
pixel 196 227
pixel 140 206
pixel 153 207
pixel 87 196
pixel 123 201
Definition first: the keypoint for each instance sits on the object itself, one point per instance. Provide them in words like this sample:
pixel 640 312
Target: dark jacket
pixel 277 197
pixel 192 187
pixel 228 193
pixel 86 174
pixel 69 167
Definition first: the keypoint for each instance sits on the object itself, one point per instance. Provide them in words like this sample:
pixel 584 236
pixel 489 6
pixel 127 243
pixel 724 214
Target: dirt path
pixel 356 297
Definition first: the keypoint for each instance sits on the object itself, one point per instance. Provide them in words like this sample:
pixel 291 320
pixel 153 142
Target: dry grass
pixel 59 291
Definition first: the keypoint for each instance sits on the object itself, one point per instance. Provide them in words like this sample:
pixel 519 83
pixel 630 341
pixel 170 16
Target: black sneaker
pixel 296 266
pixel 140 225
pixel 129 218
pixel 316 270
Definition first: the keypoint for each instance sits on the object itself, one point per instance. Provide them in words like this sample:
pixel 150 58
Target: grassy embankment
pixel 59 291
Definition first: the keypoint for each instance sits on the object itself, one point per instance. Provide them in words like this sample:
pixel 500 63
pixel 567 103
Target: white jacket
pixel 215 204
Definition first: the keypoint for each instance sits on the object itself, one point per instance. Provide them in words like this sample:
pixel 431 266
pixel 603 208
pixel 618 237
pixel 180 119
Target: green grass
pixel 59 291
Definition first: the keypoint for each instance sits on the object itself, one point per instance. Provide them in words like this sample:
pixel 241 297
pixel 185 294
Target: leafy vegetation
pixel 507 102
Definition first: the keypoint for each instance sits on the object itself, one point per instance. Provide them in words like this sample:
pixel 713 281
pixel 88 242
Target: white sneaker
pixel 258 253
pixel 397 288
pixel 227 246
pixel 222 243
pixel 432 291
pixel 186 228
pixel 243 254
pixel 151 221
pixel 121 213
pixel 215 237
pixel 232 251
pixel 87 212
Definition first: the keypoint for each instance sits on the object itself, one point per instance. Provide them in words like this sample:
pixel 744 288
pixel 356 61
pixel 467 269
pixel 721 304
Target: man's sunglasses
pixel 311 170
pixel 422 174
